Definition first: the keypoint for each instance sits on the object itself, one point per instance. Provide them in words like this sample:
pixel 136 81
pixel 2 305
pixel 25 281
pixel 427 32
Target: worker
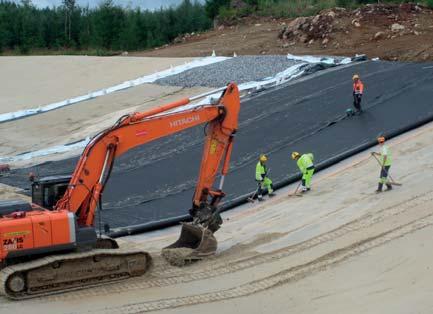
pixel 262 178
pixel 358 90
pixel 305 163
pixel 385 162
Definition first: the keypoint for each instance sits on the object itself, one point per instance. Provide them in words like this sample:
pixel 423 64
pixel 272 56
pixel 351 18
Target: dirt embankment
pixel 391 32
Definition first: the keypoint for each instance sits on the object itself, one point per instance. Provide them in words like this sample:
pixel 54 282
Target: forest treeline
pixel 108 27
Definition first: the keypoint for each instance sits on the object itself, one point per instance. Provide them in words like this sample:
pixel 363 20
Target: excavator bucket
pixel 194 243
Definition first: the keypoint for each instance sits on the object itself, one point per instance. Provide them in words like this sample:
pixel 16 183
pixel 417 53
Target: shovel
pixel 392 180
pixel 296 191
pixel 251 198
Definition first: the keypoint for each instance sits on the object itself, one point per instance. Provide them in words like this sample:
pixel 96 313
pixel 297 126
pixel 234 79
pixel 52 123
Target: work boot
pixel 304 189
pixel 388 187
pixel 379 188
pixel 308 189
pixel 260 198
pixel 272 194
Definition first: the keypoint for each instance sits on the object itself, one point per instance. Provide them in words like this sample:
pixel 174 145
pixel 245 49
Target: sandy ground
pixel 74 123
pixel 339 249
pixel 28 82
pixel 11 193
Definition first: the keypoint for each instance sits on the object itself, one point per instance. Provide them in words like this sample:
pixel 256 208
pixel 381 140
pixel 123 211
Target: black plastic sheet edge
pixel 156 225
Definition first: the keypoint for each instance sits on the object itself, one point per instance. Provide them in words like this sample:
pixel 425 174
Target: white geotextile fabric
pixel 46 152
pixel 315 59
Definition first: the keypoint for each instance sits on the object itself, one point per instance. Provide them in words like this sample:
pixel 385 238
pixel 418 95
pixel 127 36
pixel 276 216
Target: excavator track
pixel 62 273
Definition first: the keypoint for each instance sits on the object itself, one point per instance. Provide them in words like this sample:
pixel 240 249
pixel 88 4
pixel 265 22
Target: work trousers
pixel 265 184
pixel 384 175
pixel 357 101
pixel 306 177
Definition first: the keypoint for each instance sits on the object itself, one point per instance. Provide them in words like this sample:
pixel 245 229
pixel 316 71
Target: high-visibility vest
pixel 385 152
pixel 304 162
pixel 260 171
pixel 358 87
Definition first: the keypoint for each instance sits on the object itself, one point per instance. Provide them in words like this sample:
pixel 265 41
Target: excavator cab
pixel 48 190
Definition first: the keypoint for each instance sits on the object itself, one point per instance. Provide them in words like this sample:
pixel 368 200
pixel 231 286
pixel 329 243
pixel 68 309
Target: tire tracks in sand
pixel 286 276
pixel 216 267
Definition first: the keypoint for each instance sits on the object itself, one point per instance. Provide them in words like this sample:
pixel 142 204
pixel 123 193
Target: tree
pixel 109 22
pixel 128 36
pixel 69 6
pixel 212 7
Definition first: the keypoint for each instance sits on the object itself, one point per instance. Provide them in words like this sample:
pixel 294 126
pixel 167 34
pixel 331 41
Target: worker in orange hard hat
pixel 385 162
pixel 358 91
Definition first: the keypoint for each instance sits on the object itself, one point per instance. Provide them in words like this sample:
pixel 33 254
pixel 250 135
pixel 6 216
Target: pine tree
pixel 69 6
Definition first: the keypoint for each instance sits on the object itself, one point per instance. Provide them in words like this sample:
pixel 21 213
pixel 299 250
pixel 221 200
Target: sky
pixel 144 4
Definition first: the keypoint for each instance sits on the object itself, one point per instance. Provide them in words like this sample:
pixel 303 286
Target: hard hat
pixel 355 77
pixel 295 155
pixel 381 139
pixel 263 158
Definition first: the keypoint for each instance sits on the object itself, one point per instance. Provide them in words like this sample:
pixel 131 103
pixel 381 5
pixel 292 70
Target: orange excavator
pixel 52 245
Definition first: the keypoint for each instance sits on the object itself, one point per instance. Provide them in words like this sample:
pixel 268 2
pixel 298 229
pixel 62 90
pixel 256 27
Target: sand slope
pixel 28 82
pixel 84 119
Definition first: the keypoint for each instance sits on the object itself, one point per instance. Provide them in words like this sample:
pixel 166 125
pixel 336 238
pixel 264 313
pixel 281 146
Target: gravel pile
pixel 239 69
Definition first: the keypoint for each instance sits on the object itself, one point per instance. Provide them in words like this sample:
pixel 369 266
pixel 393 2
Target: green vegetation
pixel 102 31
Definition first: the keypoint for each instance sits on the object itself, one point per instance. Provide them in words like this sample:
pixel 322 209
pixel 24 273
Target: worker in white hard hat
pixel 358 91
pixel 263 181
pixel 305 163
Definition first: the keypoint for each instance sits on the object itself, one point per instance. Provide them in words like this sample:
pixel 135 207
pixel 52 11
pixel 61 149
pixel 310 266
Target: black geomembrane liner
pixel 152 186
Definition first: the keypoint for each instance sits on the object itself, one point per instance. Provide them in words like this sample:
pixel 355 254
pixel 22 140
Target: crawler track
pixel 56 274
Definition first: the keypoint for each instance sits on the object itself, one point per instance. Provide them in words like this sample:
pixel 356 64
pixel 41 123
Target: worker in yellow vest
pixel 263 181
pixel 385 162
pixel 305 163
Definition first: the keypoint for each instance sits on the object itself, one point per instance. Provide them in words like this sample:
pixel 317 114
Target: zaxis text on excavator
pixel 51 245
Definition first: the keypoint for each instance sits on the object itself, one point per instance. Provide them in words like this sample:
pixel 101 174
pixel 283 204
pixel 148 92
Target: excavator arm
pixel 94 167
